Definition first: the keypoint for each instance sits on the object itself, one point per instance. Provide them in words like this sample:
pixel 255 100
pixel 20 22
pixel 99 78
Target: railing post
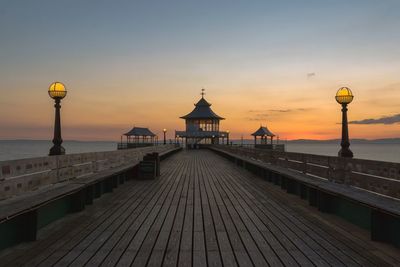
pixel 304 165
pixel 348 169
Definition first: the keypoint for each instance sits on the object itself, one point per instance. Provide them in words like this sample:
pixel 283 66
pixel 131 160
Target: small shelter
pixel 202 125
pixel 138 137
pixel 264 133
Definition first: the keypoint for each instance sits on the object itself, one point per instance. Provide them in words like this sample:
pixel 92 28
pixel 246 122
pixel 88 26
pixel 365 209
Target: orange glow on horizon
pixel 105 115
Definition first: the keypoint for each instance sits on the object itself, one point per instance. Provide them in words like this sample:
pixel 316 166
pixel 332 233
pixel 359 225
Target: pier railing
pixel 19 176
pixel 375 176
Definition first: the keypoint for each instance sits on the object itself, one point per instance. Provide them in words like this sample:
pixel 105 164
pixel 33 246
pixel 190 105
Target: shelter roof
pixel 202 110
pixel 262 131
pixel 139 131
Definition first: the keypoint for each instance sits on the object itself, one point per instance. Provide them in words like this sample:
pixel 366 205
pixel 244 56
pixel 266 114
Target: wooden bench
pixel 377 213
pixel 22 216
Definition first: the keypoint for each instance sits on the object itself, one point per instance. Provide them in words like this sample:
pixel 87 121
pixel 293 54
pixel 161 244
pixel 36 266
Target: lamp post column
pixel 57 92
pixel 345 143
pixel 165 140
pixel 57 149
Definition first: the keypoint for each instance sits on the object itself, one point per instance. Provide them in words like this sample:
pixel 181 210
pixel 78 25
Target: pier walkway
pixel 202 211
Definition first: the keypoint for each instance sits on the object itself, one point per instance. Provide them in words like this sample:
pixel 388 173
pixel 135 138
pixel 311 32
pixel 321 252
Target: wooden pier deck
pixel 202 211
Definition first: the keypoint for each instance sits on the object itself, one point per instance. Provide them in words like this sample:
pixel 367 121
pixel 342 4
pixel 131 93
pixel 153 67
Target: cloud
pixel 384 120
pixel 289 110
pixel 258 117
pixel 310 75
pixel 280 110
pixel 263 114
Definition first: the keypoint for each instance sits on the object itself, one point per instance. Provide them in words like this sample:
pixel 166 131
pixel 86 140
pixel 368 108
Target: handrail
pixel 375 176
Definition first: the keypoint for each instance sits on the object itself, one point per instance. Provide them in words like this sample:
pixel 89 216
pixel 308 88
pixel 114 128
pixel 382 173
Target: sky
pixel 143 63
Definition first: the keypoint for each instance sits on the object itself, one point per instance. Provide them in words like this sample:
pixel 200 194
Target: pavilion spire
pixel 202 92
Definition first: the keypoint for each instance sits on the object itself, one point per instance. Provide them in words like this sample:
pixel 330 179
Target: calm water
pixel 19 149
pixel 383 152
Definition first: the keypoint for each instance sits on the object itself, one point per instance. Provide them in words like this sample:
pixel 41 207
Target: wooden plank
pixel 330 253
pixel 144 229
pixel 251 247
pixel 262 244
pixel 240 180
pixel 224 245
pixel 199 250
pixel 186 242
pixel 203 211
pixel 291 231
pixel 81 243
pixel 170 232
pixel 50 238
pixel 76 240
pixel 239 249
pixel 128 245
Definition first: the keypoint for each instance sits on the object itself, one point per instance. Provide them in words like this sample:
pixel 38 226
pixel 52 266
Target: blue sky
pixel 144 49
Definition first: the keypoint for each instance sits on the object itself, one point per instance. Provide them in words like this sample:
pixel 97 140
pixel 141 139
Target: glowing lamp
pixel 344 96
pixel 165 139
pixel 57 90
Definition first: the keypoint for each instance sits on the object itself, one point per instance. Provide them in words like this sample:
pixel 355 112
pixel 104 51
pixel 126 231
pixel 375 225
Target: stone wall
pixel 376 176
pixel 19 176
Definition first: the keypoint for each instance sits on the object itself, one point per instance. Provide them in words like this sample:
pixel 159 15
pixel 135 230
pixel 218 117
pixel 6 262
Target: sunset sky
pixel 143 63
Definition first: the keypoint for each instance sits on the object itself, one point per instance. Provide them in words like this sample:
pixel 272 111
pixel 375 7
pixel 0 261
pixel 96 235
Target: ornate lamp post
pixel 227 137
pixel 165 140
pixel 344 96
pixel 57 91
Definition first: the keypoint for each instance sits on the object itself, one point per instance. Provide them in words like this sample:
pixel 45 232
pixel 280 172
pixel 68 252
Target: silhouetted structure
pixel 57 91
pixel 344 96
pixel 263 132
pixel 202 125
pixel 138 137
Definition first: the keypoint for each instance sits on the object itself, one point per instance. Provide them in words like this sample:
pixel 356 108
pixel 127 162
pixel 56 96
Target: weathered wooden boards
pixel 202 211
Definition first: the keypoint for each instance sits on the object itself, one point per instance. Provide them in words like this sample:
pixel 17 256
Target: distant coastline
pixel 353 141
pixel 387 149
pixel 246 141
pixel 328 141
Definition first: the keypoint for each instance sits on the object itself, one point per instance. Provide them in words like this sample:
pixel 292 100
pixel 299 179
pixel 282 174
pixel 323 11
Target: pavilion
pixel 202 126
pixel 138 137
pixel 264 133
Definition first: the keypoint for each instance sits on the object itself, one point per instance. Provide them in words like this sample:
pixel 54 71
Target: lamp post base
pixel 57 150
pixel 345 153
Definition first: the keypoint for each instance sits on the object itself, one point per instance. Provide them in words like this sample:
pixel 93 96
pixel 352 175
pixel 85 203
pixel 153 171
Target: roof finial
pixel 202 92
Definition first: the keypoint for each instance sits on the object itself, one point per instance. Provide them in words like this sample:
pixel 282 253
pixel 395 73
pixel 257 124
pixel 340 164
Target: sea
pixel 19 149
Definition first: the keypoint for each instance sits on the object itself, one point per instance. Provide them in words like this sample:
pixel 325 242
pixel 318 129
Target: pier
pixel 204 210
pixel 199 202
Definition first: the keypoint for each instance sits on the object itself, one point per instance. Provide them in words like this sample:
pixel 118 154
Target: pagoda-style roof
pixel 139 131
pixel 202 110
pixel 263 131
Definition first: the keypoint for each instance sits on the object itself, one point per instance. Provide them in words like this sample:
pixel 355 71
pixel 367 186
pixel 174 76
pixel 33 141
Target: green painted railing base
pixel 383 227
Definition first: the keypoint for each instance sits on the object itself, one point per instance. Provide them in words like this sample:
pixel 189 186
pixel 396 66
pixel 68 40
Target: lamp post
pixel 344 96
pixel 165 140
pixel 227 137
pixel 57 91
